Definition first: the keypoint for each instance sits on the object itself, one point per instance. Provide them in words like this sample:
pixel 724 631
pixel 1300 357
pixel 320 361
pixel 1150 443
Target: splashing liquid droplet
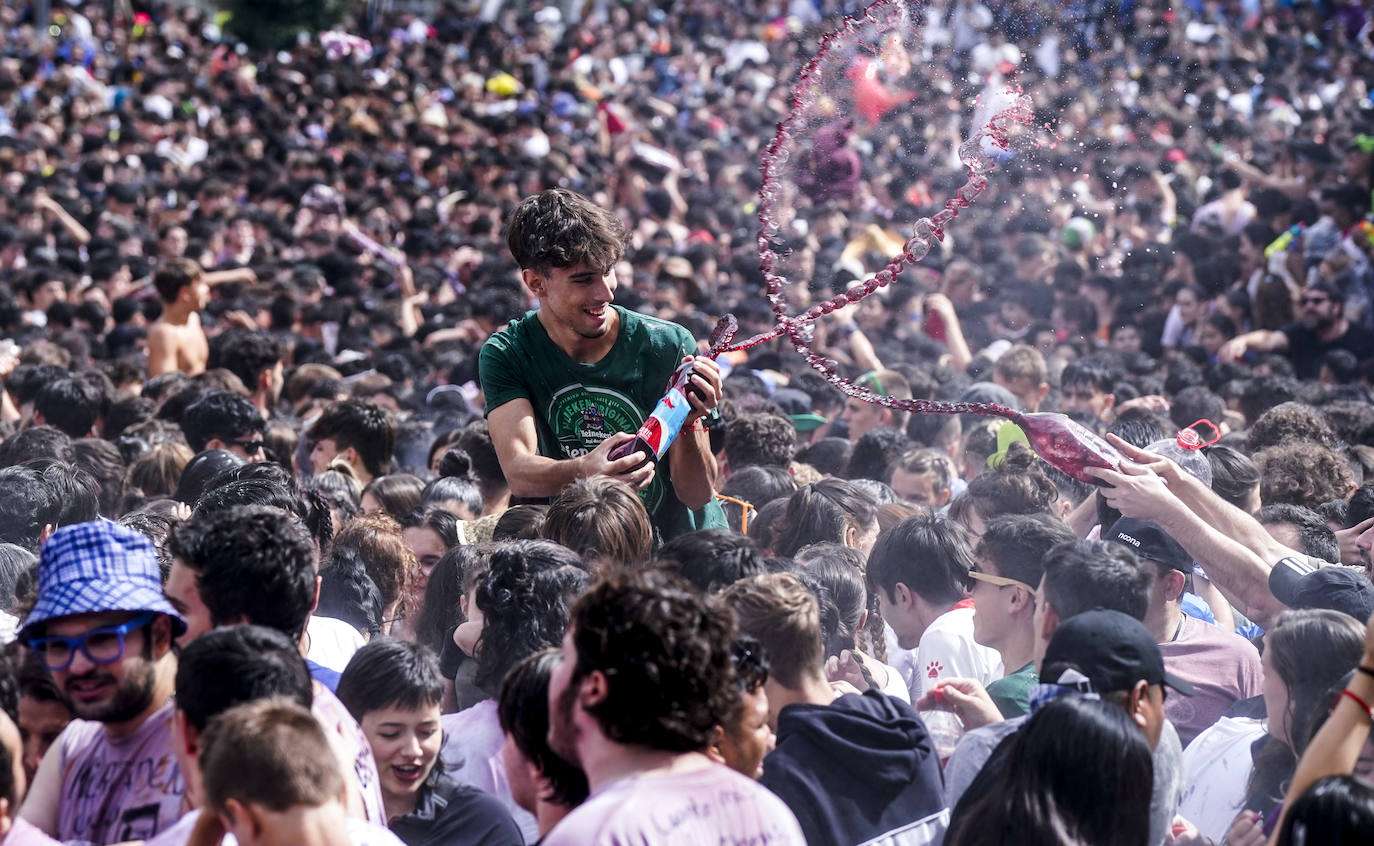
pixel 864 42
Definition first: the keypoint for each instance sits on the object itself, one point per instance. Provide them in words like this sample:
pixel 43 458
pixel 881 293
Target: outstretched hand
pixel 968 699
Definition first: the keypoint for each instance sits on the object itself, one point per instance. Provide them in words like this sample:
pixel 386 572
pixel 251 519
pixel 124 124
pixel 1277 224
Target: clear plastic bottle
pixel 943 725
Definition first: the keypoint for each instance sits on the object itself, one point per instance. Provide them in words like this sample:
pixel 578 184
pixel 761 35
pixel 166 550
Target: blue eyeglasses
pixel 101 646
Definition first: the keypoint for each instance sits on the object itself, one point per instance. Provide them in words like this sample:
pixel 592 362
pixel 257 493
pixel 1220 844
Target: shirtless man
pixel 176 341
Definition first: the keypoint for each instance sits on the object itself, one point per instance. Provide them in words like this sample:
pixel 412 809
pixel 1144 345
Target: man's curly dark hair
pixel 666 652
pixel 1287 422
pixel 765 440
pixel 1303 473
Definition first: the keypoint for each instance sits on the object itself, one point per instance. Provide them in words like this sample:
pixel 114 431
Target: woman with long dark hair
pixel 1078 772
pixel 523 603
pixel 1306 653
pixel 828 511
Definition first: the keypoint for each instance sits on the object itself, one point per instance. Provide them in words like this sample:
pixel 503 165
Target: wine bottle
pixel 1067 445
pixel 663 425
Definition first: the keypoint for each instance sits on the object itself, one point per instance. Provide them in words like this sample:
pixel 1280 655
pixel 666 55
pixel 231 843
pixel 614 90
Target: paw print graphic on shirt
pixel 933 669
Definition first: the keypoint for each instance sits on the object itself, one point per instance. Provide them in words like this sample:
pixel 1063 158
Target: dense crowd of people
pixel 337 504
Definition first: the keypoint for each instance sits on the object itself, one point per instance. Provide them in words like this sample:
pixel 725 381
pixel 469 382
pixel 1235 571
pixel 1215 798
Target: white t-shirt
pixel 472 755
pixel 332 642
pixel 1216 768
pixel 713 804
pixel 360 833
pixel 948 651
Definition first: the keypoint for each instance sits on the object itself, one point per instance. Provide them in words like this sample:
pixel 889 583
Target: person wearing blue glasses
pixel 104 629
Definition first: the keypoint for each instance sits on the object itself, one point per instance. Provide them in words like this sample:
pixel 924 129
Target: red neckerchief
pixel 963 603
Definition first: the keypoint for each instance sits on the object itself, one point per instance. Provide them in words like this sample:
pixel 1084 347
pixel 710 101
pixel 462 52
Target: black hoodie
pixel 860 770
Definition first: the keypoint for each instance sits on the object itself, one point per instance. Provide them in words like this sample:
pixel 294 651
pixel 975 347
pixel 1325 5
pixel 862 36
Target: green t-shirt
pixel 577 406
pixel 1011 693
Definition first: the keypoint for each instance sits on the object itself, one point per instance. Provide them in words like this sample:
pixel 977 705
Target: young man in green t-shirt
pixel 569 383
pixel 1010 557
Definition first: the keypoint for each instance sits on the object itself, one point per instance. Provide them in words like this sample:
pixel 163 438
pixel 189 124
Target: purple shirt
pixel 1224 668
pixel 115 790
pixel 24 833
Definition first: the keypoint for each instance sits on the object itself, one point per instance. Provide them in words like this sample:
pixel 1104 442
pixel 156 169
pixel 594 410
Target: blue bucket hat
pixel 91 568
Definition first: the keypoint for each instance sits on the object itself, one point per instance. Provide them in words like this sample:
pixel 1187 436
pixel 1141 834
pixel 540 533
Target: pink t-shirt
pixel 714 804
pixel 24 833
pixel 1223 667
pixel 115 790
pixel 354 752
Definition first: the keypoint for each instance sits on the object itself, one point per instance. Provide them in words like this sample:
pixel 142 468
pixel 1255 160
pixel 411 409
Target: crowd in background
pixel 244 293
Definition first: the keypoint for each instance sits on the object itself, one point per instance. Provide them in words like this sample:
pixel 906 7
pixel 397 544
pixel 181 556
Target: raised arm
pixel 79 233
pixel 690 462
pixel 1260 340
pixel 1238 572
pixel 1337 746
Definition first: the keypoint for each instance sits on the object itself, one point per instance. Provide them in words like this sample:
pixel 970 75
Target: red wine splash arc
pixel 1054 437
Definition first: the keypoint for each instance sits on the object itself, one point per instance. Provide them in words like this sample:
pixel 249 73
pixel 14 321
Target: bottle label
pixel 663 425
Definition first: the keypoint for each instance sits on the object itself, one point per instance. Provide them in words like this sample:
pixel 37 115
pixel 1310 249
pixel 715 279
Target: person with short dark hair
pixel 221 420
pixel 71 405
pixel 34 443
pixel 758 440
pixel 250 563
pixel 230 666
pixel 568 384
pixel 876 454
pixel 542 782
pixel 29 509
pixel 254 357
pixel 103 462
pixel 1009 566
pixel 392 688
pixel 44 711
pixel 1302 529
pixel 176 341
pixel 711 559
pixel 1087 385
pixel 358 433
pixel 256 564
pixel 919 572
pixel 644 678
pixel 854 769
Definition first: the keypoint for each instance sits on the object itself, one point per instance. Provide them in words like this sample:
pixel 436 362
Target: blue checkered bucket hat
pixel 97 567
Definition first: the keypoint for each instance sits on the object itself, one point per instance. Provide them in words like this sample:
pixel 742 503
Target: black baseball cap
pixel 1297 583
pixel 1150 543
pixel 1112 649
